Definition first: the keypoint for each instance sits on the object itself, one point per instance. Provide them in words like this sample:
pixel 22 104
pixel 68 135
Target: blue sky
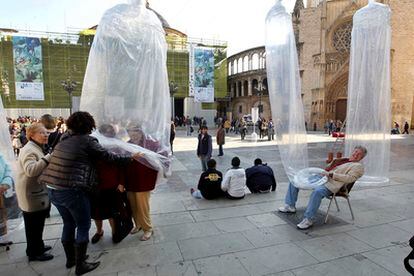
pixel 240 22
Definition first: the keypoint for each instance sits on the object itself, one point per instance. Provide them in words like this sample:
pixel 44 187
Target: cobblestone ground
pixel 246 237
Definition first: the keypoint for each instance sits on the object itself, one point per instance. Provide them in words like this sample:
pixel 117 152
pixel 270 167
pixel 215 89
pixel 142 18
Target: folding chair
pixel 344 193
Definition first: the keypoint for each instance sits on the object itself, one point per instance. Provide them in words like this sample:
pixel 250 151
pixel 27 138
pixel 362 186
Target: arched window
pixel 229 69
pixel 245 64
pixel 240 65
pixel 235 67
pixel 255 62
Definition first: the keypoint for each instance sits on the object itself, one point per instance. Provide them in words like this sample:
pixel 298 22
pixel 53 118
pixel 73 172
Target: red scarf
pixel 336 163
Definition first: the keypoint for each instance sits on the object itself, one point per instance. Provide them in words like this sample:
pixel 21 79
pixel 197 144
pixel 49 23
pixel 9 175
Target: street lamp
pixel 69 86
pixel 173 90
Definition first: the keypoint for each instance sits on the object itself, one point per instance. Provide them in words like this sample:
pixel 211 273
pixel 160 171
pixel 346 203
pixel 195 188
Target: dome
pixel 162 19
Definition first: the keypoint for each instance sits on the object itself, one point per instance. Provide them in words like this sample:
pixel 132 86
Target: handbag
pixel 122 218
pixel 410 256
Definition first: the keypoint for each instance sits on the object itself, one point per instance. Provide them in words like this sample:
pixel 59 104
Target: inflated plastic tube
pixel 309 178
pixel 14 221
pixel 369 90
pixel 285 91
pixel 126 82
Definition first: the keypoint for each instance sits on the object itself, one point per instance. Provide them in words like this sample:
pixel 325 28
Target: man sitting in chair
pixel 340 173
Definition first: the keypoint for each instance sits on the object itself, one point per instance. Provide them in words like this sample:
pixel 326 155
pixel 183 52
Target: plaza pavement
pixel 246 237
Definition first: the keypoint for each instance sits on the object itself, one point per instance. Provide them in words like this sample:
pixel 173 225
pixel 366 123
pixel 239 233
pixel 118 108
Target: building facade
pixel 323 36
pixel 247 83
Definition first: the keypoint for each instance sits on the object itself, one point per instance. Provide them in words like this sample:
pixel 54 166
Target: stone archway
pixel 336 99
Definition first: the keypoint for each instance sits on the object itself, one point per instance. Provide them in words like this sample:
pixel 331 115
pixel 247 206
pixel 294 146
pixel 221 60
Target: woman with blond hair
pixel 32 197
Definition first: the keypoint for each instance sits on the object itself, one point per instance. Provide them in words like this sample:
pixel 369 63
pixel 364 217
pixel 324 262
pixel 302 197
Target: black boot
pixel 69 248
pixel 82 266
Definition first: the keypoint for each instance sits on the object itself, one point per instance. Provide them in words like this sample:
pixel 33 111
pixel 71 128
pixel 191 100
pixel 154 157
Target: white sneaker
pixel 287 209
pixel 305 224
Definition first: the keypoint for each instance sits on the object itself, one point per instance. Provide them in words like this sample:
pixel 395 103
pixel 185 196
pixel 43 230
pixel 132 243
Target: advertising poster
pixel 28 70
pixel 203 75
pixel 191 70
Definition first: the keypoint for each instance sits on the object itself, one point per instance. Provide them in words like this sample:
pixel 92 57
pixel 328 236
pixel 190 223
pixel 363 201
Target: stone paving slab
pixel 334 246
pixel 381 236
pixel 275 258
pixel 214 245
pixel 352 265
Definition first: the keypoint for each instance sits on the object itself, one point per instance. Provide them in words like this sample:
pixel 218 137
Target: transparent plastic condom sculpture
pixel 126 83
pixel 284 90
pixel 6 149
pixel 369 90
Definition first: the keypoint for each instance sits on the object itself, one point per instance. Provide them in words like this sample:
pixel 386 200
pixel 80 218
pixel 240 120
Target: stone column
pixel 250 87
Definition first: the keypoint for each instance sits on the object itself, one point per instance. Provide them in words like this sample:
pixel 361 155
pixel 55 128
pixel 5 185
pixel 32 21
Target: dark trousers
pixel 34 223
pixel 221 150
pixel 74 208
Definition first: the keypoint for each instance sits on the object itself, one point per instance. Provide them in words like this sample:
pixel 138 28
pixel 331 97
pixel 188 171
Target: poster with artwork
pixel 203 75
pixel 28 69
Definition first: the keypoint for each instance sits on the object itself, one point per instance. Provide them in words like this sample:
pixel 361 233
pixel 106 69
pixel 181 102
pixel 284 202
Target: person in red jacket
pixel 110 181
pixel 140 180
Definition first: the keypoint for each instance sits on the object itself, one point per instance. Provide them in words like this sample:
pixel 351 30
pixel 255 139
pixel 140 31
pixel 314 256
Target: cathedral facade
pixel 323 36
pixel 323 31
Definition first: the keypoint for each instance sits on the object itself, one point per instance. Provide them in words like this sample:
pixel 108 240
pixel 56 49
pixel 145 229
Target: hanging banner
pixel 203 75
pixel 28 70
pixel 191 70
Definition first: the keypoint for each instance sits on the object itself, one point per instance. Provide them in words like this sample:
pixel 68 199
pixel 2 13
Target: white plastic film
pixel 126 82
pixel 369 90
pixel 6 149
pixel 285 91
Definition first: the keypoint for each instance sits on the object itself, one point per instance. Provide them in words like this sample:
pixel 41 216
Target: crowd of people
pixel 18 126
pixel 83 180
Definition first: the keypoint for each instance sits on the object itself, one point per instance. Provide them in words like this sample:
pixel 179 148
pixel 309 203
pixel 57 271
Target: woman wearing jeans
pixel 70 176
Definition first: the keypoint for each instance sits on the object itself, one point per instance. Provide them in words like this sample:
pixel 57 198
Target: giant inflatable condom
pixel 369 90
pixel 126 83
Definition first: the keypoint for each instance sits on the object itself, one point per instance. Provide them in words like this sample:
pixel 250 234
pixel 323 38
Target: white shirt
pixel 234 182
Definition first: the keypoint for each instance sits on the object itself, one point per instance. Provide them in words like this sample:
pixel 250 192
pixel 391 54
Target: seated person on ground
pixel 340 173
pixel 234 182
pixel 209 185
pixel 260 178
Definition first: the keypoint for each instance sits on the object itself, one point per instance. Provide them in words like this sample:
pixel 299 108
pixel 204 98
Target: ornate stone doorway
pixel 340 110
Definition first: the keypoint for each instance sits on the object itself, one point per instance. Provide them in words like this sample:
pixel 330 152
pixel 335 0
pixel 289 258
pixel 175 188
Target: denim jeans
pixel 221 150
pixel 204 159
pixel 74 207
pixel 314 200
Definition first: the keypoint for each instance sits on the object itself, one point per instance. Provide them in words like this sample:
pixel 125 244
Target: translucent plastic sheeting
pixel 126 82
pixel 6 149
pixel 309 178
pixel 6 152
pixel 284 90
pixel 369 90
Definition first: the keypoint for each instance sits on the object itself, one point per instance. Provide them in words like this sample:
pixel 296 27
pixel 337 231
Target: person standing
pixel 54 135
pixel 227 125
pixel 70 177
pixel 204 147
pixel 32 197
pixel 220 138
pixel 6 182
pixel 140 180
pixel 188 126
pixel 406 127
pixel 270 130
pixel 172 135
